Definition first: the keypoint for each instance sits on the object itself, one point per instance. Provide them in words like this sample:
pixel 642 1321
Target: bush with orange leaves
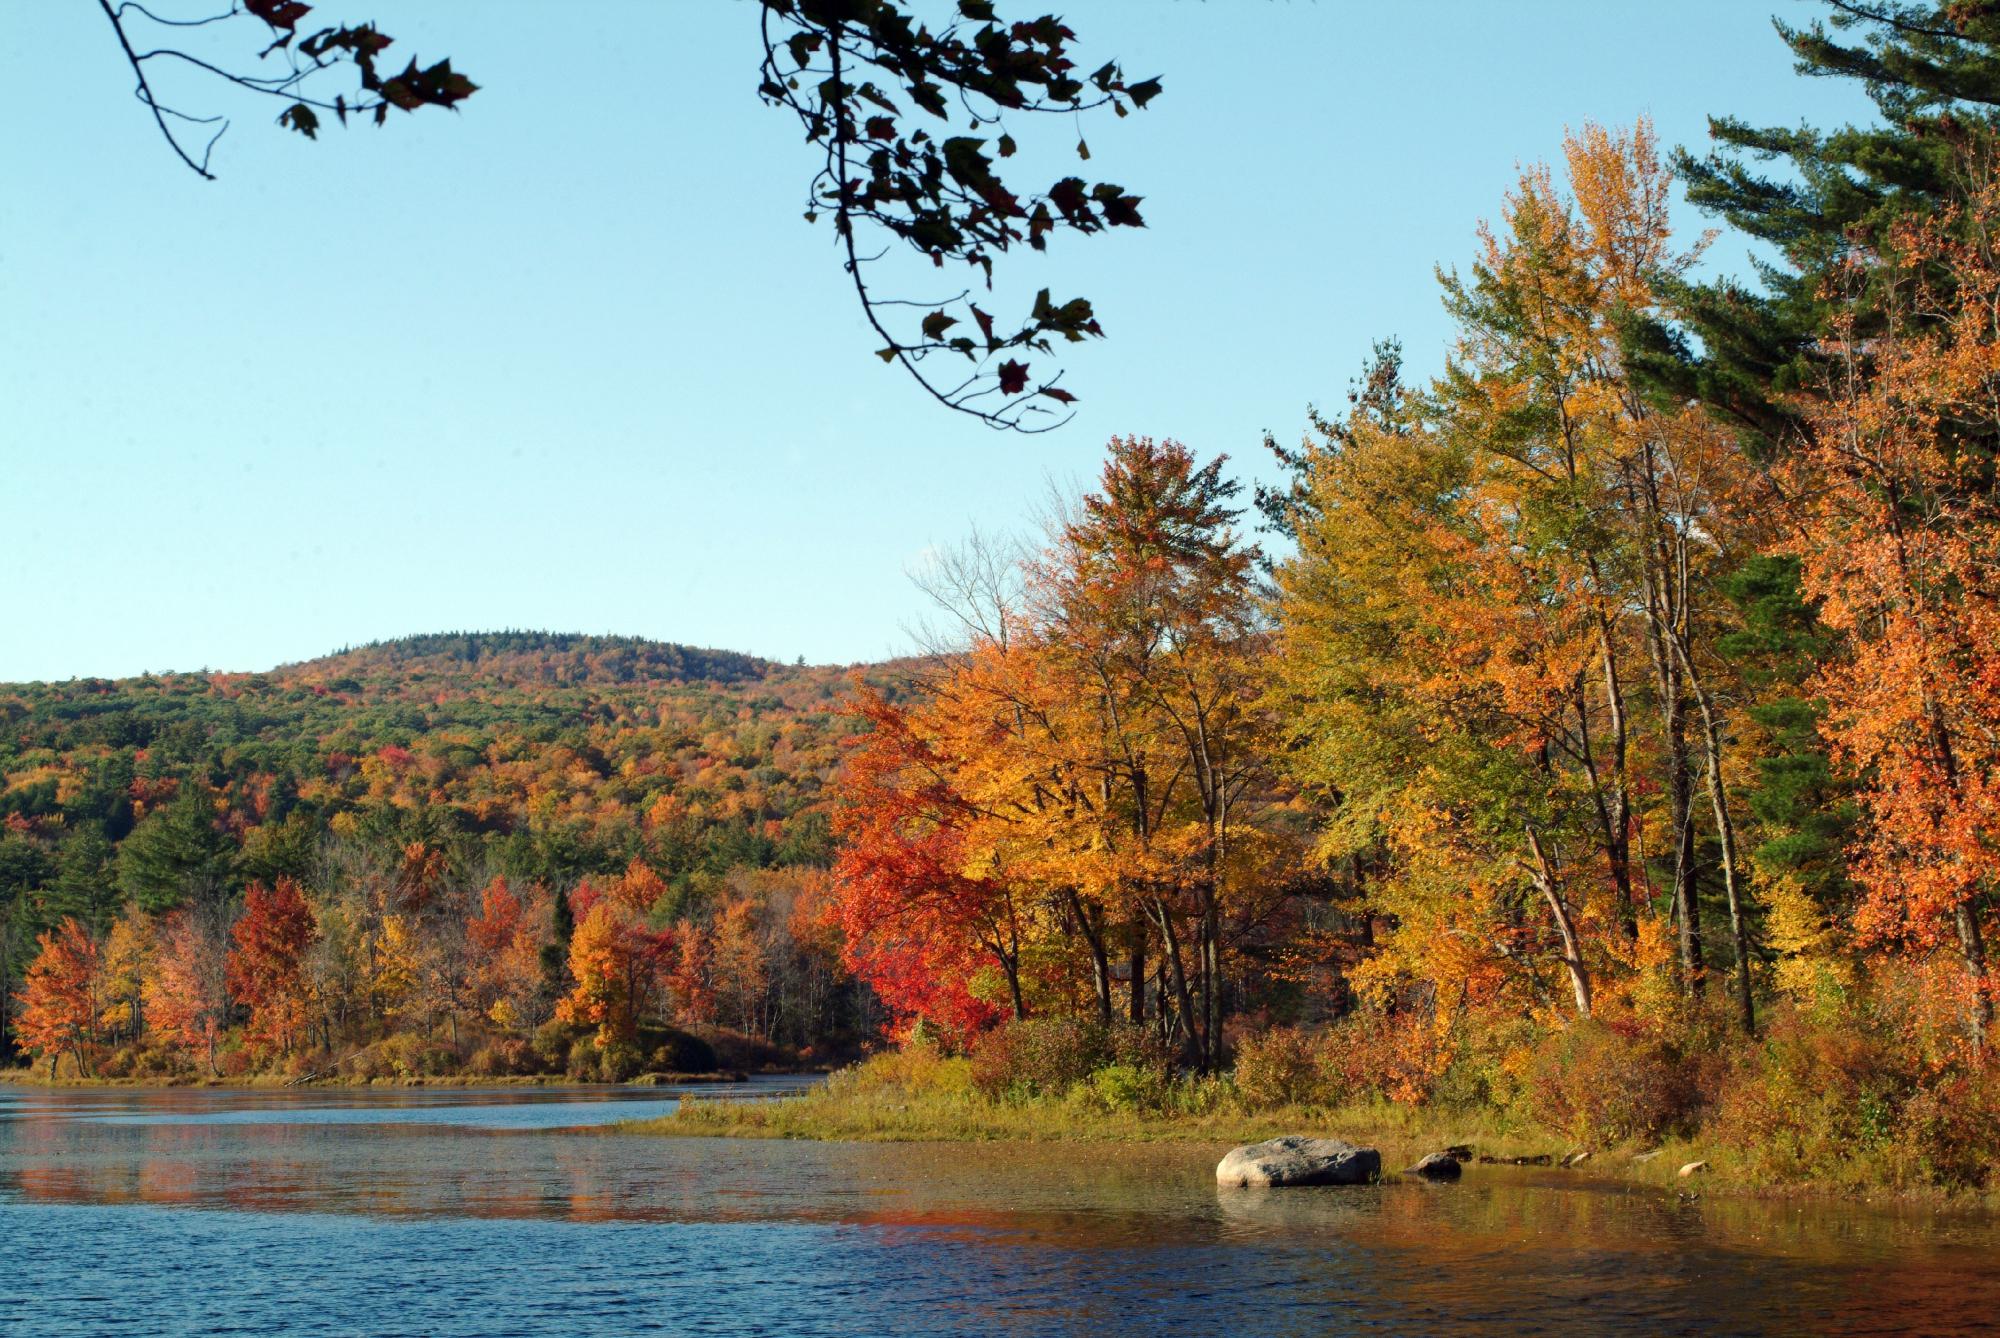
pixel 1855 1106
pixel 1603 1082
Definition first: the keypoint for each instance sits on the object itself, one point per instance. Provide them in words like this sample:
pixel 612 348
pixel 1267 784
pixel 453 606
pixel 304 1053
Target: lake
pixel 452 1211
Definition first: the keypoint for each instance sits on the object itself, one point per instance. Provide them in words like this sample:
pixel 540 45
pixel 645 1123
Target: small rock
pixel 1692 1168
pixel 1577 1158
pixel 1298 1160
pixel 1437 1166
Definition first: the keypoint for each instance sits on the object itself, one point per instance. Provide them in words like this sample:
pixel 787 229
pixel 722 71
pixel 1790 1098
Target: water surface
pixel 503 1211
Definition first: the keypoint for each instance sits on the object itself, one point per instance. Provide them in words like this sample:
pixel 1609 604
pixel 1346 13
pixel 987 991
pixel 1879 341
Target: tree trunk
pixel 1725 835
pixel 1138 965
pixel 1100 960
pixel 1544 880
pixel 1170 944
pixel 1972 947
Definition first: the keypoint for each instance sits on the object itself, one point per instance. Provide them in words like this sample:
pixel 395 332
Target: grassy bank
pixel 919 1097
pixel 906 1097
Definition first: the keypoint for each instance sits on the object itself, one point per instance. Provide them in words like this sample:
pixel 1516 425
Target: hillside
pixel 569 754
pixel 541 758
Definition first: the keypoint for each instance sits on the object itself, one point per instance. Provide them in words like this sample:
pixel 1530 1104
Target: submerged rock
pixel 1437 1166
pixel 1298 1160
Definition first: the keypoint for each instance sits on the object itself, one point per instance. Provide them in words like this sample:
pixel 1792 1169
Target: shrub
pixel 618 1061
pixel 1600 1085
pixel 917 1068
pixel 1125 1088
pixel 503 1058
pixel 1944 1136
pixel 734 1050
pixel 552 1043
pixel 669 1050
pixel 233 1059
pixel 1814 1103
pixel 1280 1067
pixel 582 1065
pixel 411 1056
pixel 1041 1056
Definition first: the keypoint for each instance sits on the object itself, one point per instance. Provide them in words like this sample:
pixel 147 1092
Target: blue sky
pixel 573 360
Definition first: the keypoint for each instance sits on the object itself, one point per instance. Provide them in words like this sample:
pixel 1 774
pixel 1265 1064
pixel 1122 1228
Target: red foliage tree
pixel 912 925
pixel 265 969
pixel 505 939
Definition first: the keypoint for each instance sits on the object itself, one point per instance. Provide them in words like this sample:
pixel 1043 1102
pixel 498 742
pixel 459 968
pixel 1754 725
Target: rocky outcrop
pixel 1298 1160
pixel 1437 1166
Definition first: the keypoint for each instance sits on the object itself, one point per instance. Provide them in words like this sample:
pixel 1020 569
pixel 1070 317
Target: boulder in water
pixel 1298 1160
pixel 1437 1166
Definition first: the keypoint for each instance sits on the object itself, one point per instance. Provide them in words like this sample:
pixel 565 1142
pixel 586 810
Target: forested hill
pixel 541 756
pixel 519 658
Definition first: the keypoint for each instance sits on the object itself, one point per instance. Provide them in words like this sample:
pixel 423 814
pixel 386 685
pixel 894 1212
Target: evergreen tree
pixel 176 856
pixel 1932 69
pixel 84 888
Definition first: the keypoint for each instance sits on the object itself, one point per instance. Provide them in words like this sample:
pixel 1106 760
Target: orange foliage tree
pixel 1899 541
pixel 619 961
pixel 186 992
pixel 505 939
pixel 59 1000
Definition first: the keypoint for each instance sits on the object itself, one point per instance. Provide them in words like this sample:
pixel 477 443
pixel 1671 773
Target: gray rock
pixel 1437 1166
pixel 1298 1160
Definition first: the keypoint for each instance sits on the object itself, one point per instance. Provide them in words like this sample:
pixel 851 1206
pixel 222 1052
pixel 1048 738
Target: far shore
pixel 19 1077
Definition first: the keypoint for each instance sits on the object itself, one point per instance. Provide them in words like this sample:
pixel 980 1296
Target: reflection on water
pixel 454 1211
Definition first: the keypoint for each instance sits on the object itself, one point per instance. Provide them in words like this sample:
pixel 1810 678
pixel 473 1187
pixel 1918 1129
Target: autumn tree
pixel 1898 541
pixel 265 966
pixel 127 961
pixel 1563 536
pixel 505 940
pixel 915 923
pixel 186 994
pixel 58 1003
pixel 617 958
pixel 1073 777
pixel 1145 600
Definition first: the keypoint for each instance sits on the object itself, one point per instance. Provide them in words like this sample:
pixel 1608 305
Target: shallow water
pixel 498 1212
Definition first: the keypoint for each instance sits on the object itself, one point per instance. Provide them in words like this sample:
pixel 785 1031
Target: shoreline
pixel 19 1078
pixel 1403 1136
